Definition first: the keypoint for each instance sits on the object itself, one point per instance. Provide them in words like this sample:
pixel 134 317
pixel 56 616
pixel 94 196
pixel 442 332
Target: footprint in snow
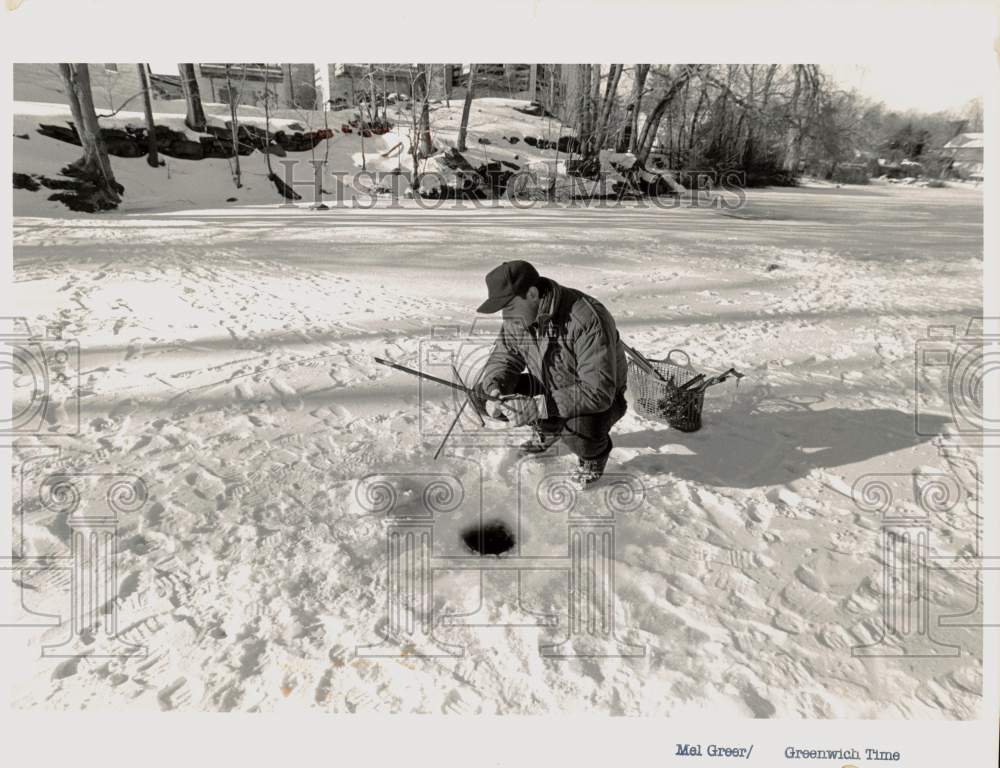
pixel 244 391
pixel 290 399
pixel 761 707
pixel 333 415
pixel 134 349
pixel 457 704
pixel 362 700
pixel 175 695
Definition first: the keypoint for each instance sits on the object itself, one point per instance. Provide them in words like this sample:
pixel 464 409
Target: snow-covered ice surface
pixel 227 360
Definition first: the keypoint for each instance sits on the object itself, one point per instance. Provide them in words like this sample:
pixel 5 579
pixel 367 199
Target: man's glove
pixel 525 410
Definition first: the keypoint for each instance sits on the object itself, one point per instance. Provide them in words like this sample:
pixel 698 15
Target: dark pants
pixel 586 435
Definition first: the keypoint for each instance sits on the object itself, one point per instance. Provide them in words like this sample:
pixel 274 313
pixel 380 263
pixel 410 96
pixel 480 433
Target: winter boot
pixel 539 442
pixel 590 471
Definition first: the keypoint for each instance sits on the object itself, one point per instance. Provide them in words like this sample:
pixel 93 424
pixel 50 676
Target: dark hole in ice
pixel 493 538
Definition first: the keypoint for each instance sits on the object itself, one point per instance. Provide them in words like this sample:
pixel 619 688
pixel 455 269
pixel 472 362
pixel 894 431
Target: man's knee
pixel 587 436
pixel 590 447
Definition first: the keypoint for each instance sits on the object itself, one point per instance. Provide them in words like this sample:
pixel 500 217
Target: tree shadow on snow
pixel 764 447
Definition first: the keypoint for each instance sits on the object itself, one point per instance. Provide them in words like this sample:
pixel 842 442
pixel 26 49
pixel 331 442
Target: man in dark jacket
pixel 560 355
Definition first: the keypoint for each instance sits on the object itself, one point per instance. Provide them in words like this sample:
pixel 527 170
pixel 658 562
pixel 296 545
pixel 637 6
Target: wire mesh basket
pixel 661 398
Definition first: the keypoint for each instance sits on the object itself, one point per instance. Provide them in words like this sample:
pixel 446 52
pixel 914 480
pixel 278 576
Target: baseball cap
pixel 510 279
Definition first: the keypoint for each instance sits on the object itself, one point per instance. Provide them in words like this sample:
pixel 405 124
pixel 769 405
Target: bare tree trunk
pixel 641 71
pixel 446 73
pixel 234 127
pixel 361 133
pixel 286 76
pixel 267 129
pixel 385 99
pixel 645 143
pixel 670 141
pixel 552 90
pixel 466 109
pixel 745 141
pixel 583 107
pixel 414 132
pixel 720 135
pixel 614 75
pixel 147 103
pixel 697 114
pixel 593 111
pixel 791 163
pixel 195 119
pixel 766 94
pixel 94 165
pixel 372 103
pixel 682 122
pixel 426 145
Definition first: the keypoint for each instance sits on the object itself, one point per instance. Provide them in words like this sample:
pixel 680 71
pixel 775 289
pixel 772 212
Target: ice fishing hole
pixel 493 538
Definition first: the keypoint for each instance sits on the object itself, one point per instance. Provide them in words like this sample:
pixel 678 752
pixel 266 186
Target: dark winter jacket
pixel 573 348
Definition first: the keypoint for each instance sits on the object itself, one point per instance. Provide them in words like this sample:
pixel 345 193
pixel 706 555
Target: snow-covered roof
pixel 966 141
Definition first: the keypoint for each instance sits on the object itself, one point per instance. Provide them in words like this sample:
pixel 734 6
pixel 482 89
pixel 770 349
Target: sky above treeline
pixel 931 84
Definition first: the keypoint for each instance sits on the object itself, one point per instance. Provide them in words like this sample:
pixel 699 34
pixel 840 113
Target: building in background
pixel 351 84
pixel 112 85
pixel 290 86
pixel 166 86
pixel 966 152
pixel 299 86
pixel 531 82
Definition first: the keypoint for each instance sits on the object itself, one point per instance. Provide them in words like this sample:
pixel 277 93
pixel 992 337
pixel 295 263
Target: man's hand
pixel 524 410
pixel 486 402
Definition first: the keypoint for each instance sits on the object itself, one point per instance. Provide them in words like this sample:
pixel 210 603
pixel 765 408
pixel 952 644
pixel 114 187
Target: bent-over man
pixel 560 355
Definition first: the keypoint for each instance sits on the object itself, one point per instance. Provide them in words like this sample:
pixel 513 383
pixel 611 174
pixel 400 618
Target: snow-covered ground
pixel 227 360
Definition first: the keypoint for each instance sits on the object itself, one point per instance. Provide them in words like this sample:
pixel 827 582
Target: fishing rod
pixel 643 362
pixel 454 422
pixel 457 385
pixel 453 384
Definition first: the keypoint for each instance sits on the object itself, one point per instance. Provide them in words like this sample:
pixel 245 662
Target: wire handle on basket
pixel 687 358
